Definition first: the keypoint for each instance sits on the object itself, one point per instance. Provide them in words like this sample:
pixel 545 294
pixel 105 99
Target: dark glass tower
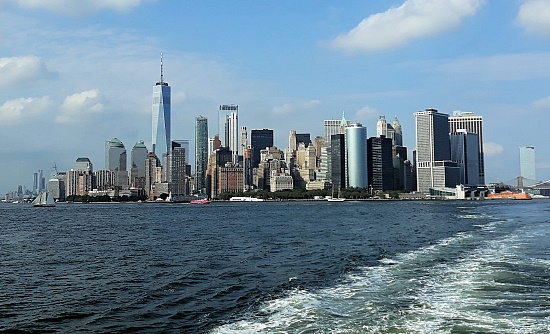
pixel 259 140
pixel 201 153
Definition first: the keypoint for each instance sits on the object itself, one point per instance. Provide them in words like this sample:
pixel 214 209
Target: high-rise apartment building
pixel 356 156
pixel 462 120
pixel 161 116
pixel 201 153
pixel 433 152
pixel 259 140
pixel 527 166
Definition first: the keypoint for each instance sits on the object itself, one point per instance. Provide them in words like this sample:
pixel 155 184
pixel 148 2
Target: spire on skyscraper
pixel 161 74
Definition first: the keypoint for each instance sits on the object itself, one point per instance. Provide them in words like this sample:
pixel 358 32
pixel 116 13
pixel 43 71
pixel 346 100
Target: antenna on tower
pixel 161 75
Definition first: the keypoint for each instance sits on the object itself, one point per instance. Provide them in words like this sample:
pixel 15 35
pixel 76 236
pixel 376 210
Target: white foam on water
pixel 452 286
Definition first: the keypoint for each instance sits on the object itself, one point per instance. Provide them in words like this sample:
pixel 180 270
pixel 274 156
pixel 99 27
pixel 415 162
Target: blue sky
pixel 74 74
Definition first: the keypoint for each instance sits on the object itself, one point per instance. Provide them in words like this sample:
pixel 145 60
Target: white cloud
pixel 79 7
pixel 81 105
pixel 398 25
pixel 490 148
pixel 365 113
pixel 13 111
pixel 296 106
pixel 542 104
pixel 534 17
pixel 22 70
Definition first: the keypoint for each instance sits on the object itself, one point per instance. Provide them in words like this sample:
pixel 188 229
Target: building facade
pixel 527 166
pixel 462 120
pixel 433 152
pixel 465 152
pixel 161 116
pixel 259 140
pixel 201 153
pixel 380 163
pixel 356 156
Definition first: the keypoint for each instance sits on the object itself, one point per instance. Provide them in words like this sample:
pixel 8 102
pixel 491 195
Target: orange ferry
pixel 508 195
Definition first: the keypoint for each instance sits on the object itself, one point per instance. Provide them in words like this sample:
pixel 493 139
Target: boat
pixel 199 201
pixel 335 199
pixel 44 199
pixel 245 199
pixel 509 195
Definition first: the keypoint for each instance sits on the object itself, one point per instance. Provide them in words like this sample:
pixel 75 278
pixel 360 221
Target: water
pixel 285 267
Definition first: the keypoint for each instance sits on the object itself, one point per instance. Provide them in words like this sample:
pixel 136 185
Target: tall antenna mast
pixel 161 75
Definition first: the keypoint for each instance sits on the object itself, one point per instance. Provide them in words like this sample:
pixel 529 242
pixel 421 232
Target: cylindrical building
pixel 356 156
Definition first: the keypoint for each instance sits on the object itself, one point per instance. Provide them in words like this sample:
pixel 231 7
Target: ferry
pixel 245 199
pixel 509 195
pixel 199 201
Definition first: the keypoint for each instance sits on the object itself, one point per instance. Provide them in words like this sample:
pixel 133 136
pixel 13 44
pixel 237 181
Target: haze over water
pixel 284 267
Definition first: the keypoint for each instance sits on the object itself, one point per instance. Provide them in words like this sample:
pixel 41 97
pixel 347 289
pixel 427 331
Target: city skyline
pixel 79 74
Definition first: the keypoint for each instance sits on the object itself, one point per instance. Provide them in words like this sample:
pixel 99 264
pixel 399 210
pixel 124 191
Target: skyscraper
pixel 527 165
pixel 115 155
pixel 259 140
pixel 161 115
pixel 330 127
pixel 338 163
pixel 433 152
pixel 473 124
pixel 137 170
pixel 201 153
pixel 356 156
pixel 465 152
pixel 380 163
pixel 178 168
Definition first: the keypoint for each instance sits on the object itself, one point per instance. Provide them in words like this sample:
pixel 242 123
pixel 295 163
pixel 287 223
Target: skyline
pixel 75 75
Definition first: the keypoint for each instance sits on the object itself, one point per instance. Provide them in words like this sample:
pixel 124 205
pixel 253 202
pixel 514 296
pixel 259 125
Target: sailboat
pixel 335 199
pixel 44 199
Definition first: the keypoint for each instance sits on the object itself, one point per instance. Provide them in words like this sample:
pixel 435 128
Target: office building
pixel 161 116
pixel 330 127
pixel 304 138
pixel 201 153
pixel 259 140
pixel 465 152
pixel 527 165
pixel 356 156
pixel 462 120
pixel 433 152
pixel 115 160
pixel 178 168
pixel 137 160
pixel 380 163
pixel 338 161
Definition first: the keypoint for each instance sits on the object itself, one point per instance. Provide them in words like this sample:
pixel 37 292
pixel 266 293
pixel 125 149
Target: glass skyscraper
pixel 356 156
pixel 161 116
pixel 527 165
pixel 259 140
pixel 201 153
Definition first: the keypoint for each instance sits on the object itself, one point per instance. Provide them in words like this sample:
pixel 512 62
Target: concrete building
pixel 281 182
pixel 434 167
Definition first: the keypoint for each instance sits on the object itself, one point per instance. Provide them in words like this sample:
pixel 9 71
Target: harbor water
pixel 276 267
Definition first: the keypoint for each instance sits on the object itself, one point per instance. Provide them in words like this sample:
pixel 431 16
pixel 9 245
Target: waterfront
pixel 277 267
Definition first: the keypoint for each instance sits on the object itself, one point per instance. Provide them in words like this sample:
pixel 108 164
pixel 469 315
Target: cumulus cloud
pixel 22 70
pixel 490 148
pixel 13 111
pixel 81 105
pixel 79 7
pixel 296 106
pixel 399 25
pixel 534 17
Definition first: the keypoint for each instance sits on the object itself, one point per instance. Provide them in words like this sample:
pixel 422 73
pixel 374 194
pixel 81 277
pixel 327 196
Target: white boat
pixel 44 199
pixel 245 199
pixel 335 199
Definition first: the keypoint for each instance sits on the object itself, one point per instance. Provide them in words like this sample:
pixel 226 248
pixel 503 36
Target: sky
pixel 75 74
